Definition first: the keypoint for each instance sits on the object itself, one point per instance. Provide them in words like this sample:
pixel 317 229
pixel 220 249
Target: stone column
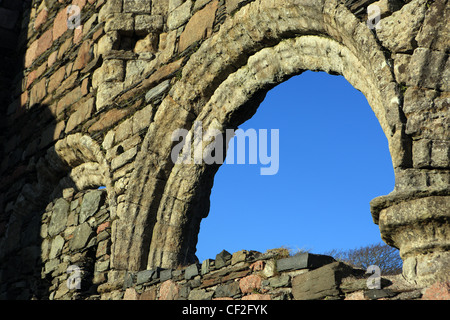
pixel 418 224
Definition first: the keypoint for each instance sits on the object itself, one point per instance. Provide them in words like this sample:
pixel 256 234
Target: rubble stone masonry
pixel 91 91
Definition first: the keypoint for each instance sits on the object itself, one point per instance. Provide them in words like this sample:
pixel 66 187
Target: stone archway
pixel 222 84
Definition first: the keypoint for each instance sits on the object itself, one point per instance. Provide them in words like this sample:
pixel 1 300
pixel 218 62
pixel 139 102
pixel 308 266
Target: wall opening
pixel 333 159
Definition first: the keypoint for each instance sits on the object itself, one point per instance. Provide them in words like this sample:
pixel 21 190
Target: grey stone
pixel 129 280
pixel 145 276
pixel 195 283
pixel 101 266
pixel 374 294
pixel 56 247
pixel 157 91
pixel 303 261
pixel 191 271
pixel 200 294
pixel 222 258
pixel 180 15
pixel 165 275
pixel 206 266
pixel 281 281
pixel 90 204
pixel 145 24
pixel 320 283
pixel 227 290
pixel 58 218
pixel 81 237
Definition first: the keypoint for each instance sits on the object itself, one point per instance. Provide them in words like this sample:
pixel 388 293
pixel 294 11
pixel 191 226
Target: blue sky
pixel 333 160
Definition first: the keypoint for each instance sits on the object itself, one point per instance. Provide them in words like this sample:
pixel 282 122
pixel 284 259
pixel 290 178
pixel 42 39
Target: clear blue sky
pixel 333 160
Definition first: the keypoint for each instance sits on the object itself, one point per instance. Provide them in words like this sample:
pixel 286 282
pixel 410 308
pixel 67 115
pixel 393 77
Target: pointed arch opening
pixel 333 159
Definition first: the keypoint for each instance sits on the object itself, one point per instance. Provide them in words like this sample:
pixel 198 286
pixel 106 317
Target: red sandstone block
pixel 40 19
pixel 56 79
pixel 23 98
pixel 44 42
pixel 79 3
pixel 103 226
pixel 60 24
pixel 38 92
pixel 250 283
pixel 77 35
pixel 52 58
pixel 84 55
pixel 31 54
pixel 108 119
pixel 438 291
pixel 131 294
pixel 30 78
pixel 69 99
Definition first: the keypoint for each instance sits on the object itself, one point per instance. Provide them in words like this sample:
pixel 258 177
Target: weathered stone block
pixel 123 22
pixel 440 154
pixel 426 68
pixel 169 290
pixel 319 283
pixel 165 274
pixel 200 294
pixel 123 159
pixel 422 153
pixel 85 55
pixel 137 6
pixel 145 276
pixel 157 91
pixel 227 290
pixel 59 216
pixel 437 291
pixel 83 111
pixel 250 283
pixel 113 70
pixel 206 266
pixel 60 24
pixel 145 24
pixel 222 258
pixel 303 261
pixel 435 31
pixel 148 44
pixel 199 26
pixel 409 20
pixel 179 15
pixel 81 237
pixel 191 271
pixel 239 256
pixel 233 5
pixel 90 204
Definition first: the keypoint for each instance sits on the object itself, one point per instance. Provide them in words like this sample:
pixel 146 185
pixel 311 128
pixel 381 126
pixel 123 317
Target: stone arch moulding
pixel 88 164
pixel 261 45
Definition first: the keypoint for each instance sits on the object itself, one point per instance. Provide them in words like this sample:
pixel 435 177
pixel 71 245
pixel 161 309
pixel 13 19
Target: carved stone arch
pixel 222 83
pixel 260 46
pixel 86 164
pixel 233 102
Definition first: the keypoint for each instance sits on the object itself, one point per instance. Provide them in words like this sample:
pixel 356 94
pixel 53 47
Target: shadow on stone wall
pixel 26 188
pixel 49 230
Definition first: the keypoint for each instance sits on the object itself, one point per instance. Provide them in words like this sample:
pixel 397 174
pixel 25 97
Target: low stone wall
pixel 65 252
pixel 250 275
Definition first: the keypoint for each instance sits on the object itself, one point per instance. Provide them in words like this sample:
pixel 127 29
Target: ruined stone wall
pixel 96 94
pixel 63 253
